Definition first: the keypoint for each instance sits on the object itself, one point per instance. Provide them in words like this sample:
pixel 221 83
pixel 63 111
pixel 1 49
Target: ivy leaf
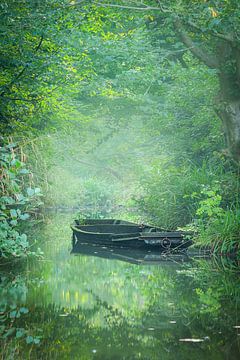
pixel 7 200
pixel 29 339
pixel 13 222
pixel 24 216
pixel 23 310
pixel 36 340
pixel 20 333
pixel 37 191
pixel 30 191
pixel 13 314
pixel 24 171
pixel 13 214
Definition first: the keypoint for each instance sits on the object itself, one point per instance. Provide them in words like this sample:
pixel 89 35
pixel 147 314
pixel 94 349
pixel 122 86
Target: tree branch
pixel 74 4
pixel 210 60
pixel 39 44
pixel 144 7
pixel 164 10
pixel 7 87
pixel 23 99
pixel 141 8
pixel 213 33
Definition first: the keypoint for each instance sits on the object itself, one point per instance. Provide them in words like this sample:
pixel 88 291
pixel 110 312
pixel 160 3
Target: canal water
pixel 83 306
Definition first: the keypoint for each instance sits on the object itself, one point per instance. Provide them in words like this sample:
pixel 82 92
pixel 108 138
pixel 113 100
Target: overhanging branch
pixel 144 7
pixel 213 33
pixel 210 60
pixel 21 72
pixel 139 8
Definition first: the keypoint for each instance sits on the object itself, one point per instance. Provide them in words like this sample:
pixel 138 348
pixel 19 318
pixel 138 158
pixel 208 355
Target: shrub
pixel 18 199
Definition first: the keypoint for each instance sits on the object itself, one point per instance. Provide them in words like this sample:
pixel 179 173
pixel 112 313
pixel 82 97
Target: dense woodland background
pixel 121 104
pixel 126 109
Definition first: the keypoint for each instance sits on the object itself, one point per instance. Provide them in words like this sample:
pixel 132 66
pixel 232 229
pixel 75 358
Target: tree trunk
pixel 229 104
pixel 226 60
pixel 229 112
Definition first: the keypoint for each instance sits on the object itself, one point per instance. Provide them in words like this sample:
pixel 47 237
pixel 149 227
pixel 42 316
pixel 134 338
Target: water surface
pixel 90 307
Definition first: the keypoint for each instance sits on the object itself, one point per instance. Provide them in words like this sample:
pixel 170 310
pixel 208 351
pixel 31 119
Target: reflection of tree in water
pixel 74 335
pixel 193 302
pixel 214 310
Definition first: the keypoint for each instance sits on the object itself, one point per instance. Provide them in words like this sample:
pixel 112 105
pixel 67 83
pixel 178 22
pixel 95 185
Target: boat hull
pixel 126 234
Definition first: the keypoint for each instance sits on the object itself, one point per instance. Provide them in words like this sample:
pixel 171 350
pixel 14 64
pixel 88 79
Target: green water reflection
pixel 84 307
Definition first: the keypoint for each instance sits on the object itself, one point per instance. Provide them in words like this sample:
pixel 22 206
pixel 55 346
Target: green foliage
pixel 12 294
pixel 115 106
pixel 97 303
pixel 217 214
pixel 170 192
pixel 205 199
pixel 18 199
pixel 38 62
pixel 221 231
pixel 210 207
pixel 127 101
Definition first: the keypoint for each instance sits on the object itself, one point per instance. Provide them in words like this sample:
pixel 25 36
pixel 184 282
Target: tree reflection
pixel 84 307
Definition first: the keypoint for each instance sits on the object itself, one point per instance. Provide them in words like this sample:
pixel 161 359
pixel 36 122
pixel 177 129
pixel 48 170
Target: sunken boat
pixel 120 233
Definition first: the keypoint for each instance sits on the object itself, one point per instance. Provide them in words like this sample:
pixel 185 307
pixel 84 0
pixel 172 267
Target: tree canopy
pixel 142 94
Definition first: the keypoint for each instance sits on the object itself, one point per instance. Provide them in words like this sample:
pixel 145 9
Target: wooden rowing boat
pixel 112 232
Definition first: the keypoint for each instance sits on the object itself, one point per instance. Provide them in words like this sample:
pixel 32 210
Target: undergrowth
pixel 18 202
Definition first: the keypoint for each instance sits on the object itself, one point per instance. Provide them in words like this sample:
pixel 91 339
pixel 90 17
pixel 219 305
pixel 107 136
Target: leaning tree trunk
pixel 229 100
pixel 229 112
pixel 226 60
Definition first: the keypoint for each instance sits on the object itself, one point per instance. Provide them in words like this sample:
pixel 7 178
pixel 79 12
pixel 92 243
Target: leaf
pixel 13 222
pixel 36 340
pixel 7 200
pixel 3 307
pixel 30 191
pixel 3 215
pixel 16 163
pixel 11 146
pixel 23 240
pixel 29 339
pixel 13 214
pixel 24 216
pixel 24 171
pixel 13 314
pixel 3 318
pixel 10 331
pixel 23 310
pixel 20 333
pixel 2 328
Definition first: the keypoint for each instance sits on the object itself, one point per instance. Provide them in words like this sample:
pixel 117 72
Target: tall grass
pixel 205 197
pixel 222 234
pixel 171 194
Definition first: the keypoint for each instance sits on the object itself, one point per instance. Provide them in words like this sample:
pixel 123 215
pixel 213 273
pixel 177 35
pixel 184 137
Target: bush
pixel 18 199
pixel 206 195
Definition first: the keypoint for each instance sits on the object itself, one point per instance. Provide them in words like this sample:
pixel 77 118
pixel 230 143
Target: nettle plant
pixel 210 205
pixel 19 198
pixel 218 223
